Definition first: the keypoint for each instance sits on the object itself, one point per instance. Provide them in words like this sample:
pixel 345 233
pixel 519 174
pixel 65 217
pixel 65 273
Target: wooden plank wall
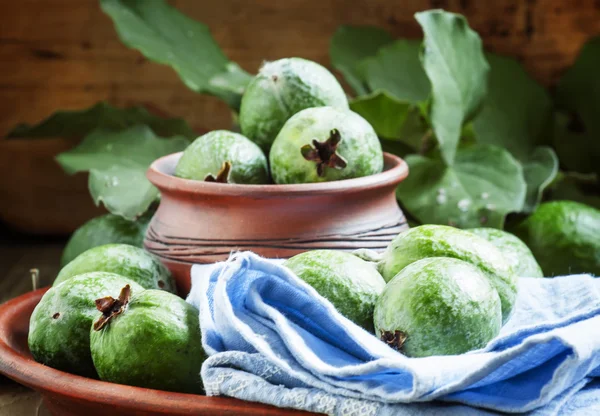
pixel 65 53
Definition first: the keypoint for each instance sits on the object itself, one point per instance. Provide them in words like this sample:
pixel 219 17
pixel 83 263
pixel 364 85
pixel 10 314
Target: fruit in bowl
pixel 223 156
pixel 281 89
pixel 325 144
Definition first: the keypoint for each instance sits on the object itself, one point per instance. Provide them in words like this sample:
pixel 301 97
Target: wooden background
pixel 57 54
pixel 65 53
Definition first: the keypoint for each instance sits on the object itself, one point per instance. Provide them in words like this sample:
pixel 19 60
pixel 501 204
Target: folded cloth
pixel 272 338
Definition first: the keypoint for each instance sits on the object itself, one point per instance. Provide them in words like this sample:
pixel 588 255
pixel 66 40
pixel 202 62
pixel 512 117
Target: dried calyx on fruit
pixel 222 175
pixel 324 154
pixel 110 307
pixel 394 339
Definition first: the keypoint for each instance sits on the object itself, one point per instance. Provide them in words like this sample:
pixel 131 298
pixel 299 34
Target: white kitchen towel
pixel 273 339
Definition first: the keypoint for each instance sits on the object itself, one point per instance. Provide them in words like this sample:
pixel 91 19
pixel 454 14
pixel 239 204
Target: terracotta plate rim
pixel 49 381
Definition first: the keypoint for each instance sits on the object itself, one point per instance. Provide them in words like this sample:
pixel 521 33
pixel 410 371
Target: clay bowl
pixel 203 222
pixel 66 394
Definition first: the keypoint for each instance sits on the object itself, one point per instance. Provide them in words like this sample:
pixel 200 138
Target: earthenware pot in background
pixel 37 196
pixel 202 222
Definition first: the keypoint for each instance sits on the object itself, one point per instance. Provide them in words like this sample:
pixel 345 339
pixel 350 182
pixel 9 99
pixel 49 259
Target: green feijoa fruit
pixel 151 339
pixel 438 306
pixel 515 251
pixel 325 144
pixel 564 236
pixel 59 329
pixel 442 241
pixel 281 89
pixel 106 229
pixel 351 284
pixel 223 156
pixel 128 261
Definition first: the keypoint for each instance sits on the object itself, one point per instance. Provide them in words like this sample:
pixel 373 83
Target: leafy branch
pixel 474 104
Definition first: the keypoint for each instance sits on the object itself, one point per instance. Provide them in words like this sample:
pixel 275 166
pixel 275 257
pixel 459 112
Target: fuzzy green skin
pixel 359 146
pixel 132 262
pixel 281 89
pixel 155 343
pixel 105 229
pixel 514 250
pixel 64 342
pixel 564 236
pixel 443 305
pixel 352 285
pixel 205 156
pixel 443 241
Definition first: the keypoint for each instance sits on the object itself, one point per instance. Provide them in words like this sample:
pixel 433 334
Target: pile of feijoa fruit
pixel 296 127
pixel 113 314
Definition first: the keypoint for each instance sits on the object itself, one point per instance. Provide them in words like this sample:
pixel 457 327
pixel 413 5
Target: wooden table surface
pixel 19 254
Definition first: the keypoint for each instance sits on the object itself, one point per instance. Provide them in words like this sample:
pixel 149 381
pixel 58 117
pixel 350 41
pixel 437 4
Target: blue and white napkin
pixel 273 339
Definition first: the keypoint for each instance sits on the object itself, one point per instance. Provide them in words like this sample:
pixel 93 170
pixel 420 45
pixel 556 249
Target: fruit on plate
pixel 438 306
pixel 515 251
pixel 444 241
pixel 351 284
pixel 564 236
pixel 281 89
pixel 106 229
pixel 223 156
pixel 325 144
pixel 151 339
pixel 59 329
pixel 128 261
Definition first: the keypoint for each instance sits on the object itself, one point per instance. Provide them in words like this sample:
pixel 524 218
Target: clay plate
pixel 70 395
pixel 203 222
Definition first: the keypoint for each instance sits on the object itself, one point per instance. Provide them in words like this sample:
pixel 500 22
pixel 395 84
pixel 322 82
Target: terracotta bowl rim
pixel 395 171
pixel 24 370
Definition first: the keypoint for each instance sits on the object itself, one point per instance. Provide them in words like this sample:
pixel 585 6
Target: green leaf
pixel 77 124
pixel 539 171
pixel 163 34
pixel 573 186
pixel 516 115
pixel 397 69
pixel 454 62
pixel 484 184
pixel 577 138
pixel 351 44
pixel 575 144
pixel 517 110
pixel 117 162
pixel 391 118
